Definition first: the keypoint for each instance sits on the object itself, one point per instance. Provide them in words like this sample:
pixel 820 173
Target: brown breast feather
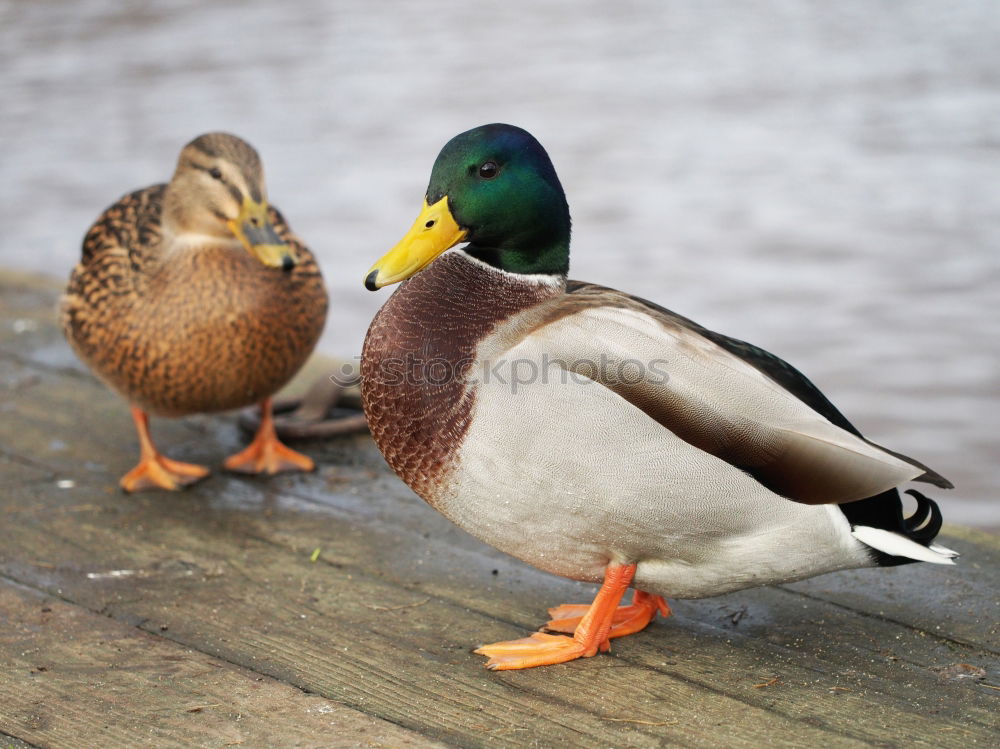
pixel 418 353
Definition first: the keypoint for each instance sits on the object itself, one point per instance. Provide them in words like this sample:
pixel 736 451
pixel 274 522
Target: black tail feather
pixel 919 516
pixel 885 511
pixel 918 527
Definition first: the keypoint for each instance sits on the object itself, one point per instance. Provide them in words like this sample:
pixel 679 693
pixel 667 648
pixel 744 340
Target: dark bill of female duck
pixel 218 190
pixel 254 229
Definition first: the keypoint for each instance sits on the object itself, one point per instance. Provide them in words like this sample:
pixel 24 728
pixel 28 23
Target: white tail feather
pixel 899 546
pixel 944 550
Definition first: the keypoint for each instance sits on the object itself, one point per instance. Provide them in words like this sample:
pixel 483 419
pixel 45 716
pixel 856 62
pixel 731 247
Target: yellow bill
pixel 432 233
pixel 254 229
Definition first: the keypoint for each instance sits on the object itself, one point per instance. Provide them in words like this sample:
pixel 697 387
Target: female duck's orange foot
pixel 538 650
pixel 158 472
pixel 627 620
pixel 268 456
pixel 154 470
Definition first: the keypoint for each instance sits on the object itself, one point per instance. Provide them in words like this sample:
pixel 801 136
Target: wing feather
pixel 717 401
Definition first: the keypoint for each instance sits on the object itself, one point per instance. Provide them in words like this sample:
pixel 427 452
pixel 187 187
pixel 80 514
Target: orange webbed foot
pixel 159 472
pixel 590 633
pixel 154 470
pixel 268 457
pixel 626 620
pixel 267 454
pixel 539 649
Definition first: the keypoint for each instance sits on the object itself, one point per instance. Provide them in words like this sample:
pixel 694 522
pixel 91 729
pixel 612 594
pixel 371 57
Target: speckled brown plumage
pixel 417 354
pixel 180 331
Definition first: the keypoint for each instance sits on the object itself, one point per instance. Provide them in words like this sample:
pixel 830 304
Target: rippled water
pixel 819 178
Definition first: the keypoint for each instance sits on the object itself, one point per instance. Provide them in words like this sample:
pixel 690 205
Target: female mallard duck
pixel 195 296
pixel 599 436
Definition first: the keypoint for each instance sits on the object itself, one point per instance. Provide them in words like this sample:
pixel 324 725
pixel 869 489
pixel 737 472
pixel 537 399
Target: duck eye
pixel 215 172
pixel 489 170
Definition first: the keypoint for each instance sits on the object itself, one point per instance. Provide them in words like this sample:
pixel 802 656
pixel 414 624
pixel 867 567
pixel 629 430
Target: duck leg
pixel 156 471
pixel 627 620
pixel 267 454
pixel 589 635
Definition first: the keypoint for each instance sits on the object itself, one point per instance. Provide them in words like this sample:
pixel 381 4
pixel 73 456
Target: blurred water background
pixel 819 178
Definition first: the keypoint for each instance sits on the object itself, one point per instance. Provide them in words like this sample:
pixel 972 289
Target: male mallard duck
pixel 599 436
pixel 195 296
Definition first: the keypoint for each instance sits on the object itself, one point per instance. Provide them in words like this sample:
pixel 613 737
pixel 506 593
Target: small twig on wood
pixel 643 722
pixel 769 683
pixel 737 615
pixel 199 674
pixel 199 708
pixel 376 607
pixel 989 686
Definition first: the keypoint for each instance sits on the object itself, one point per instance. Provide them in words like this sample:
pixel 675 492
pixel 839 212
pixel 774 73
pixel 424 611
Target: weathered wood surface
pixel 83 671
pixel 125 613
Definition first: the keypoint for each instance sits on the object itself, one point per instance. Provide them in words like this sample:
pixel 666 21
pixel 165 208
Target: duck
pixel 195 296
pixel 599 436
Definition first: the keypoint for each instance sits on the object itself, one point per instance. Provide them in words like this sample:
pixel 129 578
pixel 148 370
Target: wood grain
pixel 382 623
pixel 74 678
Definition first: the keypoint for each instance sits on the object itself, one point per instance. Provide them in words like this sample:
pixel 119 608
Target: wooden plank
pixel 234 541
pixel 852 659
pixel 14 471
pixel 338 635
pixel 9 742
pixel 72 678
pixel 771 623
pixel 734 673
pixel 529 617
pixel 959 603
pixel 403 524
pixel 961 600
pixel 969 593
pixel 28 312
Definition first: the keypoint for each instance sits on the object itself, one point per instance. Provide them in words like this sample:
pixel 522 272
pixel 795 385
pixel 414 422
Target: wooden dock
pixel 338 610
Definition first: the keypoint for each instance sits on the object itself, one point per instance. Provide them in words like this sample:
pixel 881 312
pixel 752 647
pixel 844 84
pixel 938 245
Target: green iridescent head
pixel 495 188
